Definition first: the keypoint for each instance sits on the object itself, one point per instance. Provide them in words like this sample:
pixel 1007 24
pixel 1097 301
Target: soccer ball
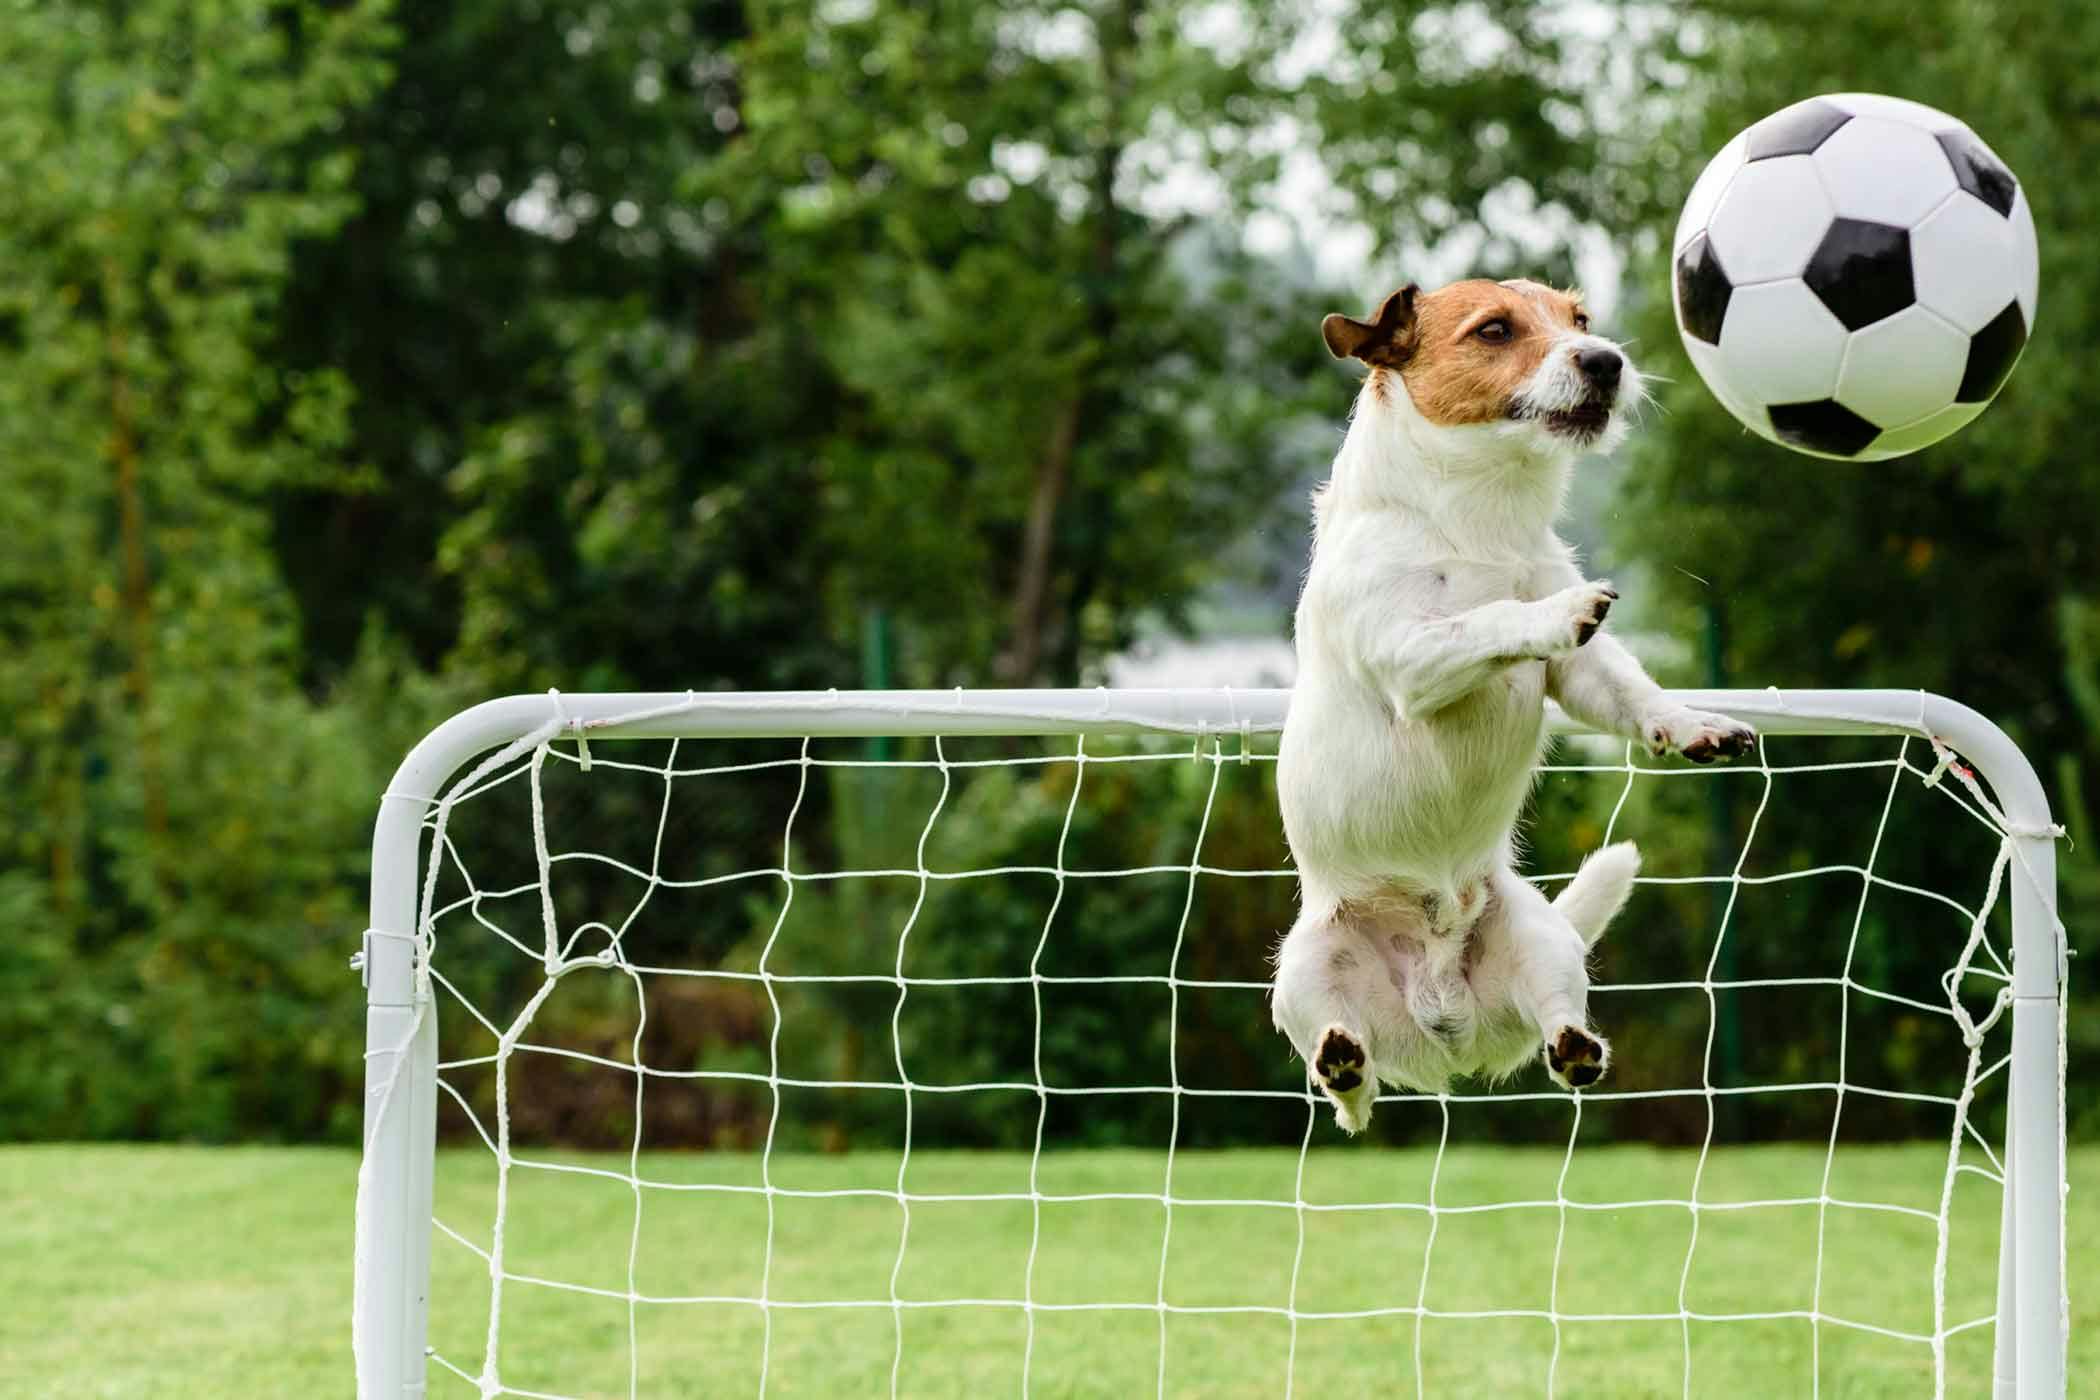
pixel 1855 276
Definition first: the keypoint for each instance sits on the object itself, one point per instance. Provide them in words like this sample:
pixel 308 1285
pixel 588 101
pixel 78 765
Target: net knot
pixel 1243 723
pixel 1946 761
pixel 574 724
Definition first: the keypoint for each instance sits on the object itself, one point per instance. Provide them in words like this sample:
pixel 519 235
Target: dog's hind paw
pixel 1575 1058
pixel 1339 1062
pixel 1343 1069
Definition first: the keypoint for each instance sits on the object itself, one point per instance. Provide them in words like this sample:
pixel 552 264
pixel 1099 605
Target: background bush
pixel 358 361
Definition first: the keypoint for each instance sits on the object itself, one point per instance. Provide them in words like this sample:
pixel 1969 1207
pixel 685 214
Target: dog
pixel 1439 613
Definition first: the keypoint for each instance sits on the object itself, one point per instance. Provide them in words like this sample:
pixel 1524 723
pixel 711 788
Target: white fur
pixel 1599 890
pixel 1439 613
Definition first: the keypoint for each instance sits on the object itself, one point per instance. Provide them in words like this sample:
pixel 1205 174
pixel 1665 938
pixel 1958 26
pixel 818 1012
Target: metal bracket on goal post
pixel 394 1224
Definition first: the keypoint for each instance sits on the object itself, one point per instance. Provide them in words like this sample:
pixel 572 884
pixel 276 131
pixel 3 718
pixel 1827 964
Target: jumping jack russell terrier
pixel 1439 613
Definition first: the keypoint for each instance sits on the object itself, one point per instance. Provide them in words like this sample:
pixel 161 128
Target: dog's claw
pixel 1588 603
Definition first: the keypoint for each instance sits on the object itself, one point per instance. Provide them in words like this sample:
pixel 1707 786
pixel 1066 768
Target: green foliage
pixel 183 822
pixel 360 360
pixel 1966 569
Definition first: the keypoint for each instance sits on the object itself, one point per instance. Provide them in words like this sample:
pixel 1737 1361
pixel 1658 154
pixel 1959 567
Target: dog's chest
pixel 1447 587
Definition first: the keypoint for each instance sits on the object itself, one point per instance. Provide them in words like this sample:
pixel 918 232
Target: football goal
pixel 917 1043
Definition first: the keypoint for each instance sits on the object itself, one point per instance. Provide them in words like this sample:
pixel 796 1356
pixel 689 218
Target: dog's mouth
pixel 1584 422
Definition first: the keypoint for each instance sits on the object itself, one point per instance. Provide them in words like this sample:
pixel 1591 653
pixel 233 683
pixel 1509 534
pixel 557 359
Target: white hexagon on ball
pixel 1884 171
pixel 1770 220
pixel 1948 251
pixel 1707 190
pixel 1707 360
pixel 1780 344
pixel 1902 368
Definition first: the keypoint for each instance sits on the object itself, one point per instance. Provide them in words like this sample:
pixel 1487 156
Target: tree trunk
pixel 1033 608
pixel 1053 472
pixel 136 593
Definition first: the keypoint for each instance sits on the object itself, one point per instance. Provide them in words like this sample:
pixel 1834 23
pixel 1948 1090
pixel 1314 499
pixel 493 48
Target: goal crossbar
pixel 394 1218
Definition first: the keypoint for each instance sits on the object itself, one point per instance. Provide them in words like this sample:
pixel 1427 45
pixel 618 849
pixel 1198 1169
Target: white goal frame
pixel 394 1227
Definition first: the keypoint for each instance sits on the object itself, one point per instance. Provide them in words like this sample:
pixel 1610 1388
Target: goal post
pixel 394 1224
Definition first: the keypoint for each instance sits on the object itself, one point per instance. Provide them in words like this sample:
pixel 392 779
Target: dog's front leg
pixel 1426 663
pixel 1605 688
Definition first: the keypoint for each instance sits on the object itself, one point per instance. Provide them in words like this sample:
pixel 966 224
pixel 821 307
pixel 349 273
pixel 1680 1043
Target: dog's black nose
pixel 1601 367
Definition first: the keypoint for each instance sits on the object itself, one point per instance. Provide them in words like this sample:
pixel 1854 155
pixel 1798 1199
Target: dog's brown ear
pixel 1387 339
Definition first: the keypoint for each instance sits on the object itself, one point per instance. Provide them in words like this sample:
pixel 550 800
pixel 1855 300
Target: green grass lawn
pixel 150 1271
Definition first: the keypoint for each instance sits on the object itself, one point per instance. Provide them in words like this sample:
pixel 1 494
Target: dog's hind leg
pixel 1533 957
pixel 1323 1000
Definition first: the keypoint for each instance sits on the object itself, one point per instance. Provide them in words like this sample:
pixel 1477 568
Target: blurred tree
pixel 562 483
pixel 181 816
pixel 653 345
pixel 684 334
pixel 1491 138
pixel 1967 569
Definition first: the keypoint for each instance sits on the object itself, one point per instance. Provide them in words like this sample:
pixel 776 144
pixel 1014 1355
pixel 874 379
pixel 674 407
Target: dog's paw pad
pixel 1701 738
pixel 1720 742
pixel 1576 1058
pixel 1339 1062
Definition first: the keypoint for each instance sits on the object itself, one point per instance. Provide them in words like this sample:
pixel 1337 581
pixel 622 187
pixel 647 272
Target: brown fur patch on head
pixel 1463 367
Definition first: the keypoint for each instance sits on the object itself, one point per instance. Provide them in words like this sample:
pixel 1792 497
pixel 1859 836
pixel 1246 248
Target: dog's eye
pixel 1494 332
pixel 1582 321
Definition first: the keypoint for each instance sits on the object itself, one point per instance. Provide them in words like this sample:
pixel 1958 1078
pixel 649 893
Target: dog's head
pixel 1517 356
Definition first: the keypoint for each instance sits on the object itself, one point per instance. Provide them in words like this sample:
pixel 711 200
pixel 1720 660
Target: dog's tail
pixel 1598 891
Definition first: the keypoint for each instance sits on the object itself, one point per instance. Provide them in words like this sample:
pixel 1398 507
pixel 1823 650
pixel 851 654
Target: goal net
pixel 918 1043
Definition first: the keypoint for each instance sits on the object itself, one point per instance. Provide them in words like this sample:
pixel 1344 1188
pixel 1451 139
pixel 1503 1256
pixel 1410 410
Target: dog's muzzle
pixel 1586 419
pixel 1574 394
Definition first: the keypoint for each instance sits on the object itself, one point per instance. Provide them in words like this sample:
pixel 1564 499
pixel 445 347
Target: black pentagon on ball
pixel 1992 352
pixel 1861 270
pixel 1702 290
pixel 1980 173
pixel 1795 130
pixel 1822 426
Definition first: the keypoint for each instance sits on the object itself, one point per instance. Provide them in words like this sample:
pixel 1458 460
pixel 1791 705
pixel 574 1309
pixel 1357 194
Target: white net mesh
pixel 973 1090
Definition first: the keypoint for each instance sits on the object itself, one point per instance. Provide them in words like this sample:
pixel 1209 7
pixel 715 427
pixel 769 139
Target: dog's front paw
pixel 1577 613
pixel 1576 1058
pixel 1344 1071
pixel 1699 736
